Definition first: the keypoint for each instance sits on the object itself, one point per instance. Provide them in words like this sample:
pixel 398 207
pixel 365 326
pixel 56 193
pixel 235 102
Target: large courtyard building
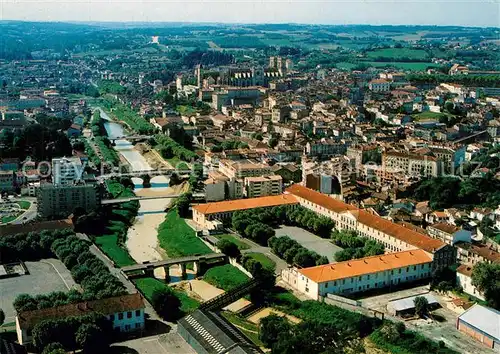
pixel 360 275
pixel 395 237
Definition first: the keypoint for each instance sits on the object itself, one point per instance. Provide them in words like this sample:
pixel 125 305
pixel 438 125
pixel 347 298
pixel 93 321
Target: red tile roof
pixel 124 303
pixel 367 265
pixel 243 204
pixel 319 198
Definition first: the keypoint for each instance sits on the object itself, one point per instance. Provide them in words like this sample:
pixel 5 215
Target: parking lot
pixel 45 276
pixel 310 241
pixel 170 343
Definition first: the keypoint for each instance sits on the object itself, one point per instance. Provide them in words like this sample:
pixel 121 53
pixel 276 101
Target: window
pixel 399 270
pixel 127 327
pixel 407 269
pixel 129 314
pixel 326 285
pixel 137 325
pixel 137 313
pixel 111 317
pixel 120 316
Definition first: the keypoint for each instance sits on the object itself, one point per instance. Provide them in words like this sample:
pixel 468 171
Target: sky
pixel 423 12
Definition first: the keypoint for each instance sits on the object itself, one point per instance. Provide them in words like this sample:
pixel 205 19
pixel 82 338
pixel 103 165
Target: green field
pixel 397 53
pixel 24 204
pixel 263 259
pixel 234 239
pixel 178 239
pixel 6 219
pixel 430 115
pixel 109 245
pixel 177 163
pixel 345 65
pixel 416 66
pixel 249 329
pixel 225 277
pixel 148 285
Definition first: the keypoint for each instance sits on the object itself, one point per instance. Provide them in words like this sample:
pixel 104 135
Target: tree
pixel 2 317
pixel 91 339
pixel 486 278
pixel 229 248
pixel 183 203
pixel 273 142
pixel 166 304
pixel 54 348
pixel 271 327
pixel 175 179
pixel 146 181
pixel 421 306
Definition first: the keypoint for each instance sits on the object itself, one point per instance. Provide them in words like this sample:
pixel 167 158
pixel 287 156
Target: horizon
pixel 474 13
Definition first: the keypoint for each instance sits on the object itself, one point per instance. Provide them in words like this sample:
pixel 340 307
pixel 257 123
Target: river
pixel 142 239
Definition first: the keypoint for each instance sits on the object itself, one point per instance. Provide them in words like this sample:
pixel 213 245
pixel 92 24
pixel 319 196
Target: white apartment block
pixel 360 275
pixel 244 168
pixel 464 279
pixel 411 164
pixel 67 170
pixel 379 85
pixel 263 186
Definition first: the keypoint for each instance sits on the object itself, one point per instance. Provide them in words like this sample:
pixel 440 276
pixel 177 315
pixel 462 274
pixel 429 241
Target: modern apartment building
pixel 243 168
pixel 263 186
pixel 67 170
pixel 61 200
pixel 360 275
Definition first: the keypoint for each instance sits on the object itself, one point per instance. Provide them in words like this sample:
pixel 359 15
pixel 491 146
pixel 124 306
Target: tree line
pixel 468 80
pixel 294 253
pixel 92 333
pixel 355 247
pixel 169 148
pixel 86 269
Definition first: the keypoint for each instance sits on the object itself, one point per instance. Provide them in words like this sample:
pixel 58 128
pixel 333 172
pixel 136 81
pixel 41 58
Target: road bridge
pixel 151 173
pixel 129 138
pixel 147 269
pixel 129 199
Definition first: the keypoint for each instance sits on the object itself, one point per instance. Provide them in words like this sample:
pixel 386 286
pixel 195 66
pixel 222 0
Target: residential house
pixel 464 280
pixel 126 313
pixel 449 233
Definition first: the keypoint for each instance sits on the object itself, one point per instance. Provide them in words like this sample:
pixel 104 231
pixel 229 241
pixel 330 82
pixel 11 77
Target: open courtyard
pixel 310 241
pixel 44 276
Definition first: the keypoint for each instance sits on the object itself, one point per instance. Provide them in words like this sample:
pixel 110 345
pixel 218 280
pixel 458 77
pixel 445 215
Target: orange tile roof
pixel 367 265
pixel 376 222
pixel 319 198
pixel 400 232
pixel 242 204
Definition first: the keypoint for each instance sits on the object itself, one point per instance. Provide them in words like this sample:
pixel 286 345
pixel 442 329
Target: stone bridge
pixel 147 269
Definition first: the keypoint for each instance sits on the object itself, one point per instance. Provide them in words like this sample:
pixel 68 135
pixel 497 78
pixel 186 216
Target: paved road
pixel 117 273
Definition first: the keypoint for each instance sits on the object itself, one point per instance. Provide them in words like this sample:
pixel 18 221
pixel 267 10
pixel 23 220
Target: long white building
pixel 360 275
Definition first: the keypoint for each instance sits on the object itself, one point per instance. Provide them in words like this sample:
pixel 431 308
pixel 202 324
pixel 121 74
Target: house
pixel 74 131
pixel 449 233
pixel 364 274
pixel 126 313
pixel 483 324
pixel 474 253
pixel 289 172
pixel 464 279
pixel 481 213
pixel 379 85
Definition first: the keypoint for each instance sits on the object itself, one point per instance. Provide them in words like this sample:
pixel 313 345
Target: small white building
pixel 464 279
pixel 360 275
pixel 126 313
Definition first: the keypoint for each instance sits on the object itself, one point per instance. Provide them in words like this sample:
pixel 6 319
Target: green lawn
pixel 178 163
pixel 109 245
pixel 178 239
pixel 6 219
pixel 234 239
pixel 263 259
pixel 249 329
pixel 186 110
pixel 225 277
pixel 148 285
pixel 24 204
